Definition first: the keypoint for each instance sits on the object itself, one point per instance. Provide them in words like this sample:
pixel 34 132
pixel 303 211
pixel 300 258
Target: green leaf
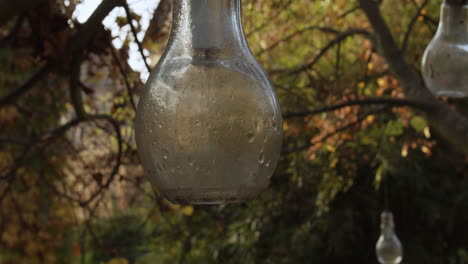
pixel 394 128
pixel 418 123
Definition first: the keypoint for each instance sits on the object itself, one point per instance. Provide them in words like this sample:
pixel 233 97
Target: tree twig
pixel 368 101
pixel 12 97
pixel 124 75
pixel 338 39
pixel 413 21
pixel 338 130
pixel 14 30
pixel 135 35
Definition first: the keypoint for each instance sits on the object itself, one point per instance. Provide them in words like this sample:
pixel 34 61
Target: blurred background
pixel 73 191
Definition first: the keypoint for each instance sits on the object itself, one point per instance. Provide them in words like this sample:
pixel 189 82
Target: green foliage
pixel 325 198
pixel 120 236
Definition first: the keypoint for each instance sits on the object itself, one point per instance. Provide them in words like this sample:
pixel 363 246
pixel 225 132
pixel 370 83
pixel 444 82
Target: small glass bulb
pixel 208 126
pixel 445 61
pixel 388 248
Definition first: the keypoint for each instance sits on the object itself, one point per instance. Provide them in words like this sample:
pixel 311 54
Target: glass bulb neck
pixel 208 28
pixel 453 21
pixel 456 2
pixel 388 231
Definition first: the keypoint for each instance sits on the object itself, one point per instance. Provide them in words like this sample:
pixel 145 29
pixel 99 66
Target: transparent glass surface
pixel 208 126
pixel 388 249
pixel 445 61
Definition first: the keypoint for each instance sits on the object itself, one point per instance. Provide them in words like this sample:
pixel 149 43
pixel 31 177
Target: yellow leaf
pixel 370 118
pixel 381 82
pixel 187 210
pixel 117 261
pixel 427 132
pixel 426 150
pixel 404 151
pixel 331 148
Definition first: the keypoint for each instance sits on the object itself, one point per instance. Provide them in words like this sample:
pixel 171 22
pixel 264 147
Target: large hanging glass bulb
pixel 445 61
pixel 388 248
pixel 208 126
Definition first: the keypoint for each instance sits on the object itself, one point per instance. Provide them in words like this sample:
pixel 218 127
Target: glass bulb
pixel 388 248
pixel 445 61
pixel 208 126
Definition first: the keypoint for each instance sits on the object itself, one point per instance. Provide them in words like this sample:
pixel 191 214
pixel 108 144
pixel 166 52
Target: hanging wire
pixel 386 188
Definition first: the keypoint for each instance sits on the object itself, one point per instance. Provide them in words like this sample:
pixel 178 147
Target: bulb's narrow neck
pixel 453 21
pixel 456 2
pixel 205 27
pixel 388 231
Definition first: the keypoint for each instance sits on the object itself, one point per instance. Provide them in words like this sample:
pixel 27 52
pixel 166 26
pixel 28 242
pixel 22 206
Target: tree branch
pixel 292 35
pixel 338 130
pixel 338 39
pixel 135 35
pixel 124 76
pixel 12 97
pixel 53 135
pixel 368 101
pixel 14 30
pixel 78 46
pixel 94 23
pixel 413 21
pixel 448 123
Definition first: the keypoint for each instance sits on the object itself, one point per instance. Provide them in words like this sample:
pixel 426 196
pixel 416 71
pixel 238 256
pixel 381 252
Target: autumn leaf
pixel 118 261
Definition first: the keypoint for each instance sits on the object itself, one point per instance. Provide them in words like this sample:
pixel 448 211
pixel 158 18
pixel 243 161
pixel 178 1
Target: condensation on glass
pixel 388 249
pixel 445 61
pixel 208 126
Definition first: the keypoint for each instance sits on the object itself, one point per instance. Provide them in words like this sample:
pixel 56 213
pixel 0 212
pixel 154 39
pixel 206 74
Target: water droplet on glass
pixel 265 138
pixel 268 163
pixel 274 123
pixel 251 136
pixel 165 154
pixel 197 122
pixel 261 157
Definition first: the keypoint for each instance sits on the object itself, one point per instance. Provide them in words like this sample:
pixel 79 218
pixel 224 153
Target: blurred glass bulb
pixel 388 248
pixel 208 126
pixel 445 61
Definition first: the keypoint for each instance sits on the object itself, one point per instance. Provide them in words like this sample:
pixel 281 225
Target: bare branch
pixel 124 75
pixel 75 91
pixel 338 130
pixel 118 162
pixel 368 101
pixel 28 85
pixel 94 23
pixel 55 134
pixel 78 46
pixel 292 35
pixel 338 39
pixel 13 31
pixel 413 21
pixel 135 35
